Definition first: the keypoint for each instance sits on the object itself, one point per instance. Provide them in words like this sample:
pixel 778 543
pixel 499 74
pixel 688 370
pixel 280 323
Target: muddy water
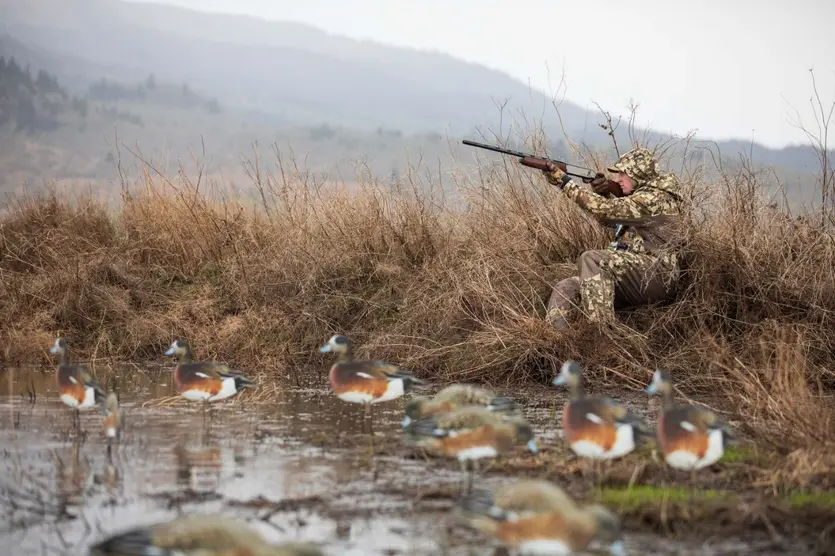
pixel 296 467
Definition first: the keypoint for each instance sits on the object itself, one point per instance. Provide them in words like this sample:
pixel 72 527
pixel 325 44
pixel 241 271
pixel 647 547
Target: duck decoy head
pixel 524 433
pixel 336 344
pixel 178 347
pixel 569 374
pixel 413 410
pixel 532 445
pixel 60 347
pixel 660 382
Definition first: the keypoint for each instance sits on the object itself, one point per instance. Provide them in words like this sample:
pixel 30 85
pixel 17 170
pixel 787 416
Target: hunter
pixel 641 266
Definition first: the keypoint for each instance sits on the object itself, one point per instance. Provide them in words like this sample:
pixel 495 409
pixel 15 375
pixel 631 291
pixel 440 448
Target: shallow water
pixel 296 468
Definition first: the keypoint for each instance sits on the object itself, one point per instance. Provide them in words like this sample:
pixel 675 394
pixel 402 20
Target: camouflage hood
pixel 641 165
pixel 659 194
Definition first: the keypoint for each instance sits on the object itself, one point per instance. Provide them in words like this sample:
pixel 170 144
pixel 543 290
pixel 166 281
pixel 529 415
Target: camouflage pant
pixel 610 280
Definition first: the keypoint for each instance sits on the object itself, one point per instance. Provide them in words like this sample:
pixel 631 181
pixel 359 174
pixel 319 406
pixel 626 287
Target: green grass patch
pixel 644 495
pixel 744 453
pixel 805 499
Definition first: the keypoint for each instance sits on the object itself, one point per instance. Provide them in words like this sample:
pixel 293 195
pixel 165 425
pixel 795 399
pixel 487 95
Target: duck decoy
pixel 690 437
pixel 197 535
pixel 366 382
pixel 537 518
pixel 455 396
pixel 469 434
pixel 205 381
pixel 76 386
pixel 597 428
pixel 112 417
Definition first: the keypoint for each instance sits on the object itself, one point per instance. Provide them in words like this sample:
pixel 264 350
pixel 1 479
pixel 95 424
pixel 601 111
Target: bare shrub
pixel 451 280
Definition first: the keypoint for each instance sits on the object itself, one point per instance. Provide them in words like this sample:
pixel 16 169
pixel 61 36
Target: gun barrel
pixel 494 148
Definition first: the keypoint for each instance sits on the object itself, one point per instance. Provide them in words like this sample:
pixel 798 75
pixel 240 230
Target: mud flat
pixel 297 466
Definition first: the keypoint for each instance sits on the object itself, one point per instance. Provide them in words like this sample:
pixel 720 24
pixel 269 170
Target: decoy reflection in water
pixel 197 535
pixel 112 419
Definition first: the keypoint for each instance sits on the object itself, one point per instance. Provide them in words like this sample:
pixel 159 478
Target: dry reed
pixel 450 281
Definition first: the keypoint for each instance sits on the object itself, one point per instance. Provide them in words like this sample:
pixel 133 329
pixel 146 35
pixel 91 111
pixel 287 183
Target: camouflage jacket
pixel 649 214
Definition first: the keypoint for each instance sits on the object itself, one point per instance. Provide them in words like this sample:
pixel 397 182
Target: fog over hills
pixel 288 70
pixel 282 75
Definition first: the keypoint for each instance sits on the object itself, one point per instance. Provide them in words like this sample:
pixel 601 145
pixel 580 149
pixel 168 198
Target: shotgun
pixel 599 183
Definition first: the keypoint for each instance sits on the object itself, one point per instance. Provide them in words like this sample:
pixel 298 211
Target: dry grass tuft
pixel 451 281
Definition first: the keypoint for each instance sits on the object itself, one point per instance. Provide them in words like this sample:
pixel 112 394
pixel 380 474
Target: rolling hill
pixel 293 72
pixel 282 75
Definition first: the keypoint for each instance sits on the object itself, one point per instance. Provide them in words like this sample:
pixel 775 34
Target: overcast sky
pixel 727 68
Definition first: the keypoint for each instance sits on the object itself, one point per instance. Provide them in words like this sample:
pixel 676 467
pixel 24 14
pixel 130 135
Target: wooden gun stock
pixel 540 163
pixel 599 184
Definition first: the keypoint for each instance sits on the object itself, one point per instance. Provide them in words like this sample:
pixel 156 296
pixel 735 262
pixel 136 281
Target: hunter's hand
pixel 556 176
pixel 600 184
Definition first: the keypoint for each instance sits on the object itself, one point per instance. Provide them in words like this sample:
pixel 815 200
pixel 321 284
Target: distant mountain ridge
pixel 294 74
pixel 292 71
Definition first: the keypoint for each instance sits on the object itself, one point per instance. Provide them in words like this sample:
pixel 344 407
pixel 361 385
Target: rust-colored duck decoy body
pixel 537 518
pixel 690 437
pixel 366 381
pixel 598 428
pixel 76 386
pixel 205 381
